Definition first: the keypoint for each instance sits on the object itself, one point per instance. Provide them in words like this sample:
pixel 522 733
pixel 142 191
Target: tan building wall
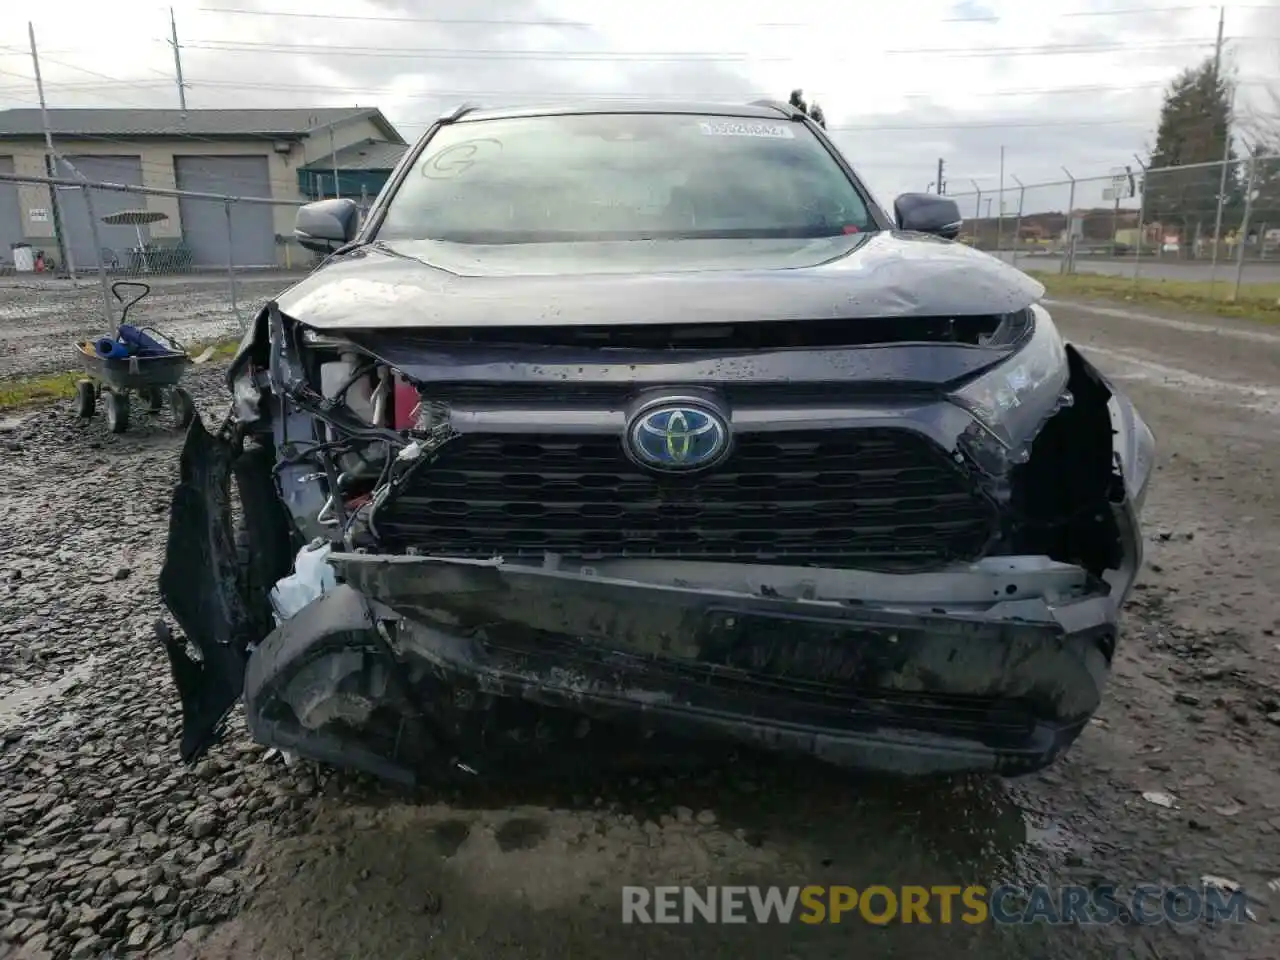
pixel 157 161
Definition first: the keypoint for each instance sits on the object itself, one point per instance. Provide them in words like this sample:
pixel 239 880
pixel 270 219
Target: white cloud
pixel 1064 83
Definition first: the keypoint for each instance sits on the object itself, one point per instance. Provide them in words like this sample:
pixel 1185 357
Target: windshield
pixel 624 177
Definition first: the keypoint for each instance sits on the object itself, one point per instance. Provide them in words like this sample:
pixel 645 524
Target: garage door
pixel 204 223
pixel 10 215
pixel 75 215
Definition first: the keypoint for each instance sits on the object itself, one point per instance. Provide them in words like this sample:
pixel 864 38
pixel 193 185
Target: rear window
pixel 624 176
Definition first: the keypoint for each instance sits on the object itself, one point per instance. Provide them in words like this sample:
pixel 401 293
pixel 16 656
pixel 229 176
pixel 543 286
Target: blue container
pixel 110 349
pixel 140 343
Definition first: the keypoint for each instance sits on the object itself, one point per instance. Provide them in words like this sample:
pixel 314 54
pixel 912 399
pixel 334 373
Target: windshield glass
pixel 624 177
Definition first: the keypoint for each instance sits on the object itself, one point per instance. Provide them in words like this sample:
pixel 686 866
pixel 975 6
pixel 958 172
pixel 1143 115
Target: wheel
pixel 117 412
pixel 86 399
pixel 184 408
pixel 155 400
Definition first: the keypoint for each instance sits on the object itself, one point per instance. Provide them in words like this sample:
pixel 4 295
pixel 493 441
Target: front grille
pixel 871 498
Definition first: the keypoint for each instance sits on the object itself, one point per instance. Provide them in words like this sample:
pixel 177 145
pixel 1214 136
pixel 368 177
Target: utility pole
pixel 940 186
pixel 1217 47
pixel 333 155
pixel 177 60
pixel 64 250
pixel 1226 151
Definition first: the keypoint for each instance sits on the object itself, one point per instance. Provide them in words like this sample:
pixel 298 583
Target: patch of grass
pixel 222 350
pixel 1256 301
pixel 33 390
pixel 48 387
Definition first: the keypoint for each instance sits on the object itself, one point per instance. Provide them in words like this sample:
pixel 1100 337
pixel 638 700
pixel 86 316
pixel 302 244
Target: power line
pixel 304 49
pixel 443 94
pixel 89 86
pixel 482 95
pixel 168 169
pixel 584 24
pixel 86 70
pixel 992 125
pixel 576 24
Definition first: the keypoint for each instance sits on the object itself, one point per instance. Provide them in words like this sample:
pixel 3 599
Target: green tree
pixel 1194 120
pixel 1264 213
pixel 813 112
pixel 1261 125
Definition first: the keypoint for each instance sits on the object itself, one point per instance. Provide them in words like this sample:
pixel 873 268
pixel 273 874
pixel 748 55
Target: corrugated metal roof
pixel 365 155
pixel 116 124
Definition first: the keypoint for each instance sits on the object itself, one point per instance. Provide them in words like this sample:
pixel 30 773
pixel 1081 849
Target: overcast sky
pixel 1074 83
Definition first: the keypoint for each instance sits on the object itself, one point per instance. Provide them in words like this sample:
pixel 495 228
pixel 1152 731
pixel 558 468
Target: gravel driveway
pixel 108 844
pixel 41 318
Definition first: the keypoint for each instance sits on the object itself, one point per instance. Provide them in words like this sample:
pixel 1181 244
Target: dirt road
pixel 106 843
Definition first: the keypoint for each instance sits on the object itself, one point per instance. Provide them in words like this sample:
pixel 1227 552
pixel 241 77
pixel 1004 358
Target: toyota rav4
pixel 651 417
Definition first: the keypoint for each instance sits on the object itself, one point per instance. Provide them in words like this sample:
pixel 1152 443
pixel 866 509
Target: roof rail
pixel 786 109
pixel 458 112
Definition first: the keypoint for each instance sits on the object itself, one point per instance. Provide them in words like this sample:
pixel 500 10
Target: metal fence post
pixel 93 230
pixel 58 215
pixel 1142 215
pixel 97 255
pixel 1244 228
pixel 1017 223
pixel 1222 198
pixel 1000 207
pixel 231 263
pixel 1068 264
pixel 977 204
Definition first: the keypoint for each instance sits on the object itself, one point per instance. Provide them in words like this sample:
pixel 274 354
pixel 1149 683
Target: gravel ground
pixel 41 318
pixel 108 846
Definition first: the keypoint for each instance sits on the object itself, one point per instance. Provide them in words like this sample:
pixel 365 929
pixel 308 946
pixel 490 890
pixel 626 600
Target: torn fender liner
pixel 200 586
pixel 326 668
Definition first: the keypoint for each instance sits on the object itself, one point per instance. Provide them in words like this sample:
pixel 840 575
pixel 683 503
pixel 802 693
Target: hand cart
pixel 154 377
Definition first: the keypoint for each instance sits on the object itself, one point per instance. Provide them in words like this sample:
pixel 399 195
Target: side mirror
pixel 326 225
pixel 928 213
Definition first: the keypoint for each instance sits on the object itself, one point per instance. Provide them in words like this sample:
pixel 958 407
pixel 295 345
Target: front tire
pixel 117 412
pixel 86 399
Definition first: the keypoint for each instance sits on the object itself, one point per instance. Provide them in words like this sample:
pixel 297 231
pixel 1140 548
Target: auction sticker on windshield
pixel 738 128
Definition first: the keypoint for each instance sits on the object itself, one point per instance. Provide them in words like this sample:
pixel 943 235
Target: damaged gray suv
pixel 651 418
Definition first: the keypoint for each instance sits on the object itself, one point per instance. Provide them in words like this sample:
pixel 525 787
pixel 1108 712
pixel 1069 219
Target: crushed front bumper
pixel 993 667
pixel 417 665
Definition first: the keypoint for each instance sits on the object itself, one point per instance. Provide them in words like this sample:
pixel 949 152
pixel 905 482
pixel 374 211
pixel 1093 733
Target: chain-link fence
pixel 1209 221
pixel 210 260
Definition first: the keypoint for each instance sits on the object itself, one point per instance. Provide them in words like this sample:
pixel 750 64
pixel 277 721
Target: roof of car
pixel 761 110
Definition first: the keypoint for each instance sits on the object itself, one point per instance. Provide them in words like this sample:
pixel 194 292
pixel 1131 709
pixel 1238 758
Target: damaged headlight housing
pixel 1013 400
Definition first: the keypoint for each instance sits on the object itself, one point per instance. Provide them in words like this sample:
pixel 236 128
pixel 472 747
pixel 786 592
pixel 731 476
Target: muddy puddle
pixel 481 872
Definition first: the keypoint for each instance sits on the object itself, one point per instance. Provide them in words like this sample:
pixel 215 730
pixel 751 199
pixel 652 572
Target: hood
pixel 417 284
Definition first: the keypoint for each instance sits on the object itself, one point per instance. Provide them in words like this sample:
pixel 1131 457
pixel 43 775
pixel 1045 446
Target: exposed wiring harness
pixel 403 455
